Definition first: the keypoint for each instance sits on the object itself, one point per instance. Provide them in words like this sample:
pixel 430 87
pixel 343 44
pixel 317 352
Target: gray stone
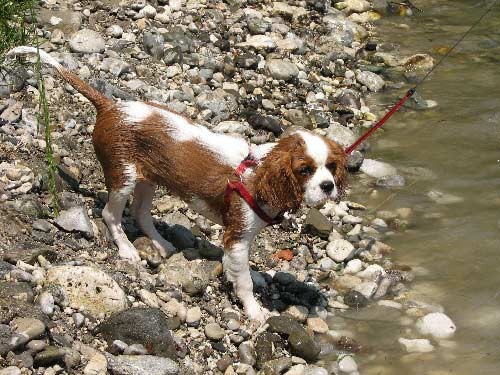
pixel 318 222
pixel 154 44
pixel 75 219
pixel 280 69
pixel 87 41
pixel 89 288
pixel 355 299
pixel 214 331
pixel 46 302
pixel 146 326
pixel 340 134
pixel 258 42
pixel 247 60
pixel 377 169
pixel 193 276
pixel 141 364
pixel 301 343
pixel 371 80
pixel 342 30
pixel 233 325
pixel 258 25
pixel 392 181
pixel 115 66
pixel 443 198
pixel 50 355
pixel 277 366
pixel 299 118
pixel 29 327
pixel 294 12
pixel 247 353
pixel 340 250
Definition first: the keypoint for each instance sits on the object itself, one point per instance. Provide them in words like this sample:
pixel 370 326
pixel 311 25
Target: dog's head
pixel 302 167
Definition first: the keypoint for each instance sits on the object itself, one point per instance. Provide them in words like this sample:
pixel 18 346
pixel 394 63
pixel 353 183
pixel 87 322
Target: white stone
pixel 371 80
pixel 353 266
pixel 258 42
pixel 372 272
pixel 348 364
pixel 390 303
pixel 377 169
pixel 416 345
pixel 88 287
pixel 436 324
pixel 443 198
pixel 340 250
pixel 149 298
pixel 87 41
pixel 11 370
pixel 367 288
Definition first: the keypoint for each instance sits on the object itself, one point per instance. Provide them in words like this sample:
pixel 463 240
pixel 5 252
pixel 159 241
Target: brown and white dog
pixel 141 145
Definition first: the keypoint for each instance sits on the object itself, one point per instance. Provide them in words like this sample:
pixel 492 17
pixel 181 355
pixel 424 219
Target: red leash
pixel 380 122
pixel 241 189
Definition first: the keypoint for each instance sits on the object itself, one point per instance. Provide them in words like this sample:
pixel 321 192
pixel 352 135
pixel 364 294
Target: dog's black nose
pixel 327 186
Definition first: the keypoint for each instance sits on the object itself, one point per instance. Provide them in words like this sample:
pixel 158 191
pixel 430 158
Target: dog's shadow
pixel 284 290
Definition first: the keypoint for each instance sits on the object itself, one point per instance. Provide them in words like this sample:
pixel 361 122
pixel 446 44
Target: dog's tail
pixel 96 98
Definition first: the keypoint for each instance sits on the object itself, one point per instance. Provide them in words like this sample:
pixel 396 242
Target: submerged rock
pixel 436 324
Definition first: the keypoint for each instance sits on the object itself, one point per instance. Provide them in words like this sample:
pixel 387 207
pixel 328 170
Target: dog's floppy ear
pixel 276 184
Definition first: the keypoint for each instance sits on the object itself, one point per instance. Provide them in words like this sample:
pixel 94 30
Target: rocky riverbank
pixel 68 304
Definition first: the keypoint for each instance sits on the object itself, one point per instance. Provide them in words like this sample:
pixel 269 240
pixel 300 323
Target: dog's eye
pixel 332 167
pixel 305 170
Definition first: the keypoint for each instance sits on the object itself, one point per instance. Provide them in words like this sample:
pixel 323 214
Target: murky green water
pixel 459 140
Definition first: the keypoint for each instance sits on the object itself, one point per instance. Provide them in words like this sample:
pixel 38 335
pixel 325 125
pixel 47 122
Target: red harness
pixel 241 189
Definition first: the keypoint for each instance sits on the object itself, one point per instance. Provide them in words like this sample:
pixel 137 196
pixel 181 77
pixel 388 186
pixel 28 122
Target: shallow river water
pixel 455 247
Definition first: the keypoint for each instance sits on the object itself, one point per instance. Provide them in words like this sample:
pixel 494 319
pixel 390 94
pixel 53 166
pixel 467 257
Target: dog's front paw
pixel 129 253
pixel 256 312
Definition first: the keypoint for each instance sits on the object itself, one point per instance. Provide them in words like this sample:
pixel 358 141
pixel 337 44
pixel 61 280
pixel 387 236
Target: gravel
pixel 255 70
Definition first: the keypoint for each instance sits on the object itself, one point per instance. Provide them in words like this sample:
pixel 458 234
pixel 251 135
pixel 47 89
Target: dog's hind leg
pixel 141 208
pixel 113 211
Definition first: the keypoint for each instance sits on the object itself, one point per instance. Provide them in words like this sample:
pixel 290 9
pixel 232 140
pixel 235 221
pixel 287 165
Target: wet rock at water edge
pixel 302 345
pixel 416 345
pixel 146 326
pixel 437 324
pixel 355 299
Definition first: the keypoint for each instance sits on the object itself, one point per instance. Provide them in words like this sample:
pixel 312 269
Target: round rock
pixel 87 41
pixel 340 250
pixel 279 69
pixel 214 331
pixel 89 287
pixel 436 324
